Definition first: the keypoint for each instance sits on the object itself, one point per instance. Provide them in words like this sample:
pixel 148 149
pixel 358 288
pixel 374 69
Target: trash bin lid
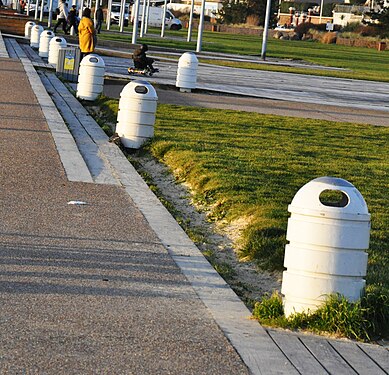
pixel 93 60
pixel 188 59
pixel 47 33
pixel 346 202
pixel 58 40
pixel 139 89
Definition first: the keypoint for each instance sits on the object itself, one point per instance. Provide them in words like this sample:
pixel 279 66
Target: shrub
pixel 329 38
pixel 252 20
pixel 303 28
pixel 233 12
pixel 368 30
pixel 364 320
pixel 321 27
pixel 270 308
pixel 376 303
pixel 351 27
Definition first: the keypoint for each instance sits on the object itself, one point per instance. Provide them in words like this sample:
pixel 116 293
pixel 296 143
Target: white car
pixel 45 6
pixel 284 28
pixel 115 14
pixel 155 17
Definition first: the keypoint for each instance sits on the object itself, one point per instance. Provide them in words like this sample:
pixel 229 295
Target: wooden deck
pixel 311 354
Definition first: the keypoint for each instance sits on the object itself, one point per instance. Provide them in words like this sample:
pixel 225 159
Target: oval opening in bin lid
pixel 93 60
pixel 137 88
pixel 334 198
pixel 47 32
pixel 141 89
pixel 37 27
pixel 311 200
pixel 57 42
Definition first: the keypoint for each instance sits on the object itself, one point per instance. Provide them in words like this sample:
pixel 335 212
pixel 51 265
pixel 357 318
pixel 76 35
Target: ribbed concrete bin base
pixel 136 116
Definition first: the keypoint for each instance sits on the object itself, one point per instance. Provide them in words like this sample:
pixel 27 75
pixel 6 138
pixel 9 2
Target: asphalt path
pixel 168 94
pixel 295 88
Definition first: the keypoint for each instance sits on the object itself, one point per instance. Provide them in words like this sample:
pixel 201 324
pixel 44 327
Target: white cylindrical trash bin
pixel 44 42
pixel 327 237
pixel 55 44
pixel 187 72
pixel 27 29
pixel 36 32
pixel 136 115
pixel 91 77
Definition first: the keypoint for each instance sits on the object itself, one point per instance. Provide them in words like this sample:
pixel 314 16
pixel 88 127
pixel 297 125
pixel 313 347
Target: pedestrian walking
pixel 99 19
pixel 73 19
pixel 62 17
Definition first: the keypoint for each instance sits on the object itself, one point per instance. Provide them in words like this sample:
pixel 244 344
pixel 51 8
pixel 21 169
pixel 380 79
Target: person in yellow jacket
pixel 86 33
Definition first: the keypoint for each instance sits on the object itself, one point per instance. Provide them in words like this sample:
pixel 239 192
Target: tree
pixel 236 11
pixel 380 20
pixel 233 11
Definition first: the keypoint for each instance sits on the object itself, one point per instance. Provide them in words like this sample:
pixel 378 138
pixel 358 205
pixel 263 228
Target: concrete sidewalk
pixel 86 288
pixel 114 285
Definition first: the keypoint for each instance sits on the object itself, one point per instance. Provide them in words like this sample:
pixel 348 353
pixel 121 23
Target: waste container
pixel 136 115
pixel 187 72
pixel 36 32
pixel 27 29
pixel 44 41
pixel 68 63
pixel 91 77
pixel 328 231
pixel 55 44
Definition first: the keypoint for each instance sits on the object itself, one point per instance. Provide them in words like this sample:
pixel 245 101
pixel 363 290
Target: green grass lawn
pixel 363 63
pixel 247 167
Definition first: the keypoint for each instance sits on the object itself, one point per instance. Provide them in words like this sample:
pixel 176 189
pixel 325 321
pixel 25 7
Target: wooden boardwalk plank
pixel 297 353
pixel 357 358
pixel 379 355
pixel 327 356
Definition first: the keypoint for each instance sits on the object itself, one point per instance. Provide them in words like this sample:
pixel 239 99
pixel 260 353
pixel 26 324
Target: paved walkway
pixel 113 88
pixel 114 285
pixel 295 88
